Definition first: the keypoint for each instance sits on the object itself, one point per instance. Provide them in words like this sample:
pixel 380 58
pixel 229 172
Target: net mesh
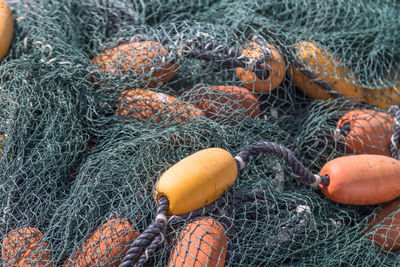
pixel 87 128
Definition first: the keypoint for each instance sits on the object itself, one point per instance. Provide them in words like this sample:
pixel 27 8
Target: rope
pixel 301 172
pixel 143 246
pixel 149 240
pixel 153 236
pixel 395 139
pixel 227 57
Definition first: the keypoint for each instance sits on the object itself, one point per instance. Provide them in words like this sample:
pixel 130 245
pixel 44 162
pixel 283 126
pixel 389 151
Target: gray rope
pixel 199 49
pixel 149 240
pixel 395 140
pixel 153 236
pixel 301 172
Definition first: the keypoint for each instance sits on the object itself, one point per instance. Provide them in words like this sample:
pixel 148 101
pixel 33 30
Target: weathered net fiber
pixel 73 159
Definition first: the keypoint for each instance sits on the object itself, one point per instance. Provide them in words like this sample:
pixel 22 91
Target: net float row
pixel 317 73
pixel 219 103
pixel 201 242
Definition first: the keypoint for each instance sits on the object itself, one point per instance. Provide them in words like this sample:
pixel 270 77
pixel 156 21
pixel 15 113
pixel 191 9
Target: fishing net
pixel 98 98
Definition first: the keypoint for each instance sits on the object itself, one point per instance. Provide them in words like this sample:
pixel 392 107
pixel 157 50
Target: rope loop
pixel 302 173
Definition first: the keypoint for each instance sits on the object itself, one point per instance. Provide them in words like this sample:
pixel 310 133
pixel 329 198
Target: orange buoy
pixel 139 57
pixel 362 179
pixel 384 97
pixel 150 106
pixel 275 65
pixel 323 66
pixel 6 28
pixel 202 242
pixel 383 229
pixel 107 246
pixel 219 102
pixel 25 247
pixel 370 131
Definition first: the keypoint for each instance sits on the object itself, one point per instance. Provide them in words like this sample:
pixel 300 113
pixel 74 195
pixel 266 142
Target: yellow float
pixel 6 28
pixel 384 97
pixel 197 180
pixel 325 68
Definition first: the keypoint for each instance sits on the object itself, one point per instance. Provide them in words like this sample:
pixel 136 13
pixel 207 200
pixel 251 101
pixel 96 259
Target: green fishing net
pixel 84 143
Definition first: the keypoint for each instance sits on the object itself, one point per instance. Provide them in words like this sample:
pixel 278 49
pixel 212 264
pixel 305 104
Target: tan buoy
pixel 197 180
pixel 324 67
pixel 6 28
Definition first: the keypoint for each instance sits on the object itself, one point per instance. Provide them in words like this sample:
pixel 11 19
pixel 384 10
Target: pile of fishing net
pixel 99 98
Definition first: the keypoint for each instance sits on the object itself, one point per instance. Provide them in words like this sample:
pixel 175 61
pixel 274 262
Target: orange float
pixel 202 242
pixel 383 229
pixel 219 102
pixel 150 106
pixel 369 132
pixel 107 246
pixel 275 65
pixel 324 67
pixel 384 97
pixel 2 142
pixel 6 28
pixel 362 179
pixel 140 58
pixel 25 247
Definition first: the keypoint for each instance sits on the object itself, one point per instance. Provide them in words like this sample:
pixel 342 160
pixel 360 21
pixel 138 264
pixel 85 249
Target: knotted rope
pixel 154 235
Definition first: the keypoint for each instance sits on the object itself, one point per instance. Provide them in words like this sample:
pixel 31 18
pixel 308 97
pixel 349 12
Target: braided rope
pixel 227 57
pixel 395 139
pixel 154 235
pixel 143 246
pixel 301 172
